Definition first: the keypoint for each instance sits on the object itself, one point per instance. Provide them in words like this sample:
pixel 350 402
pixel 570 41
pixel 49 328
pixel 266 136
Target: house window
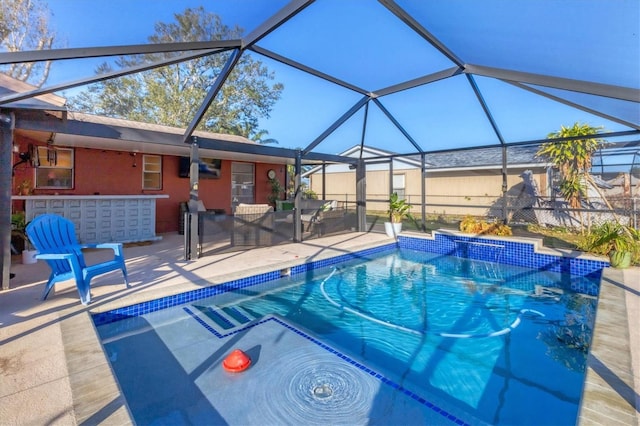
pixel 151 172
pixel 398 184
pixel 54 168
pixel 242 183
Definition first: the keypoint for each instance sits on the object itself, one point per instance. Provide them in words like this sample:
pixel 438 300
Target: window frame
pixel 400 190
pixel 146 172
pixel 245 183
pixel 42 167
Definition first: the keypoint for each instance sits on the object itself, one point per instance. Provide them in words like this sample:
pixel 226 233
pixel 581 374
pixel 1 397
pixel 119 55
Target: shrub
pixel 609 237
pixel 471 225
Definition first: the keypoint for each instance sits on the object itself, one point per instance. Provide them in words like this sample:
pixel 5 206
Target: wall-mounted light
pixel 24 157
pixel 134 154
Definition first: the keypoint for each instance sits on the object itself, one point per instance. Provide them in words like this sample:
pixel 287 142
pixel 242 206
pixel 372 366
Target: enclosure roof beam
pixel 573 138
pixel 535 142
pixel 398 125
pixel 575 105
pixel 95 52
pixel 599 89
pixel 363 135
pixel 337 124
pixel 304 68
pixel 283 15
pixel 485 107
pixel 331 158
pixel 420 81
pixel 105 76
pixel 408 20
pixel 215 88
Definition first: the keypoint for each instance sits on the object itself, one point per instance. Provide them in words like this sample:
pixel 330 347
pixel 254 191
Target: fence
pixel 219 232
pixel 226 233
pixel 546 211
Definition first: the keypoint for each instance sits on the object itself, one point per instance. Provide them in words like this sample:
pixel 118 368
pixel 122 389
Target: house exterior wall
pixel 106 172
pixel 474 192
pixel 453 193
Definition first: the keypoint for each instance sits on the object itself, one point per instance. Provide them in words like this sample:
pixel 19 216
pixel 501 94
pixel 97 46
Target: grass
pixel 551 237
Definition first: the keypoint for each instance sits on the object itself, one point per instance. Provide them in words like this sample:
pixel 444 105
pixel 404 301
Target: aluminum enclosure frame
pixel 522 80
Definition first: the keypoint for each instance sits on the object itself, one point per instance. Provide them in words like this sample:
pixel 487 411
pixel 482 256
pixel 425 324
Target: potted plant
pixel 620 242
pixel 398 210
pixel 24 187
pixel 20 240
pixel 276 191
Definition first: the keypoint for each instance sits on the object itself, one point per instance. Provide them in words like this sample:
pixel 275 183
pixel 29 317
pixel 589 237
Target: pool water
pixel 494 343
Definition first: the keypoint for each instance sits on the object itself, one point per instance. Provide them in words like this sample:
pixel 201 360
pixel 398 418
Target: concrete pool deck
pixel 54 370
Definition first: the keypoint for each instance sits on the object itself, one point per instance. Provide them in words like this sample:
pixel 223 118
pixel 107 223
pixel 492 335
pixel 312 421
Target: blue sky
pixel 367 46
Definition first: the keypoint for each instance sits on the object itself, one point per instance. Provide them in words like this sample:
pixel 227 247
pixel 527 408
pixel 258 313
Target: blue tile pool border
pixel 515 253
pixel 234 285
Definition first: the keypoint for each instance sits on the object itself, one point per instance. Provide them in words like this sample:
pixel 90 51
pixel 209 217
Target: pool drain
pixel 319 390
pixel 323 391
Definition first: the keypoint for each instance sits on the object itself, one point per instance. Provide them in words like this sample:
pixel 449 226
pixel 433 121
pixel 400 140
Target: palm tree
pixel 573 159
pixel 259 136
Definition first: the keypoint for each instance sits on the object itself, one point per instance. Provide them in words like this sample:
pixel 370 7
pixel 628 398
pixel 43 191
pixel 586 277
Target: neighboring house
pixel 457 183
pixel 61 153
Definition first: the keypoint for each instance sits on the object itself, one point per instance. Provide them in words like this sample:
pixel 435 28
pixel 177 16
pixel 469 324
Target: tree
pixel 24 25
pixel 573 159
pixel 172 94
pixel 246 129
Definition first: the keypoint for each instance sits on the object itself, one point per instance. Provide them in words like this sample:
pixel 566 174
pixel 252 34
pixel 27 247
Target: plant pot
pixel 29 257
pixel 17 245
pixel 392 229
pixel 620 259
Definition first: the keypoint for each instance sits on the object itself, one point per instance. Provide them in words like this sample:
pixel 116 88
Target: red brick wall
pixel 112 173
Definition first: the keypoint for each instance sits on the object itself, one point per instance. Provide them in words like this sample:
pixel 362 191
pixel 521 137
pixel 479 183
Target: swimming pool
pixel 445 339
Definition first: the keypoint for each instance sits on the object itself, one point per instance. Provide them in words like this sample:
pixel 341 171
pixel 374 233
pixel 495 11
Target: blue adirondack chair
pixel 54 237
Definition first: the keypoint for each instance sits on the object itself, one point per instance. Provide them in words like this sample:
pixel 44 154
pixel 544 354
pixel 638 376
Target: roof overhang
pixel 487 167
pixel 97 132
